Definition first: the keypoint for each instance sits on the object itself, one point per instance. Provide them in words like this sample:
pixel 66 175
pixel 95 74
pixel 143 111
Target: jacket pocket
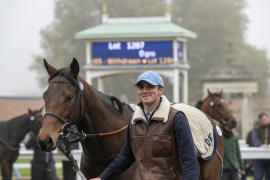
pixel 162 146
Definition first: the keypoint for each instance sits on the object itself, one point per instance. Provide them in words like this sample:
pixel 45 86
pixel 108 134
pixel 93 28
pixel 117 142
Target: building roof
pixel 142 27
pixel 14 106
pixel 230 73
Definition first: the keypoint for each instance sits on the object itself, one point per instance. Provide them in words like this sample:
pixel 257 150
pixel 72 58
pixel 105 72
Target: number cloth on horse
pixel 200 125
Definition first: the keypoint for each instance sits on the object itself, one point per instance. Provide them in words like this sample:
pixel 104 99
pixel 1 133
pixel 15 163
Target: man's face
pixel 265 120
pixel 149 94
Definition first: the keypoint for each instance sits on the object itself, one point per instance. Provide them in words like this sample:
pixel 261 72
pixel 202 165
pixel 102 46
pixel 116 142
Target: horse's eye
pixel 68 98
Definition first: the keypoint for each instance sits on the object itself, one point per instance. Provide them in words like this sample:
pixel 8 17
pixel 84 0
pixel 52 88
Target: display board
pixel 134 52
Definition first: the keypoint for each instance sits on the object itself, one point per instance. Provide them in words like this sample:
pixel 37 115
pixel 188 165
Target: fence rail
pixel 246 153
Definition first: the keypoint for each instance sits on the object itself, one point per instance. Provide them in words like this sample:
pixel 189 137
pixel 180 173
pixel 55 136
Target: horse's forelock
pixel 220 95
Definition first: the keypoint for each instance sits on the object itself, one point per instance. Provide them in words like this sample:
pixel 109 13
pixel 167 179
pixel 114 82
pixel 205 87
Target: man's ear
pixel 161 90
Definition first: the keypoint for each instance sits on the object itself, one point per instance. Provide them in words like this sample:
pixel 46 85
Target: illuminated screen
pixel 132 52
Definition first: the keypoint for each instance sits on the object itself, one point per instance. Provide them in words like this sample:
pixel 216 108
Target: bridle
pixel 71 80
pixel 221 117
pixel 64 144
pixel 69 123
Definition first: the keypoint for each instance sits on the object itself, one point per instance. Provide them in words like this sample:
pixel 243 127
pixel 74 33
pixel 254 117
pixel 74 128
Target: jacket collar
pixel 161 114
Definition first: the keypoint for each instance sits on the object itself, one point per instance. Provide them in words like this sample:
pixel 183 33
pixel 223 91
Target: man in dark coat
pixel 162 147
pixel 260 137
pixel 42 165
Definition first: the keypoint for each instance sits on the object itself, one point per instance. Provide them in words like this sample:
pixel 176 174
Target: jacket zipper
pixel 146 158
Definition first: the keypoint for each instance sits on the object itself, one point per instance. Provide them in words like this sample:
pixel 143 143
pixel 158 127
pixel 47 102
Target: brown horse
pixel 217 108
pixel 12 133
pixel 70 100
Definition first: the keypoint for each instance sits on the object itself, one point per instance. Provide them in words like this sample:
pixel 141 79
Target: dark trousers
pixel 230 175
pixel 43 171
pixel 261 168
pixel 68 172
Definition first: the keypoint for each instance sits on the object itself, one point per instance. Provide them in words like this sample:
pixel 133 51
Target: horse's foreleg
pixel 212 169
pixel 6 169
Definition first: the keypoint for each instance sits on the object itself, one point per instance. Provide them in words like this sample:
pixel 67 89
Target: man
pixel 260 137
pixel 42 165
pixel 162 148
pixel 232 161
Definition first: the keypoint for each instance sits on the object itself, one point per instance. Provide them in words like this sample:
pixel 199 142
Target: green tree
pixel 217 24
pixel 57 40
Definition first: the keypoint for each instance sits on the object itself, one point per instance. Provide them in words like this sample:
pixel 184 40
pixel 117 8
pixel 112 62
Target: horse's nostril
pixel 46 145
pixel 234 124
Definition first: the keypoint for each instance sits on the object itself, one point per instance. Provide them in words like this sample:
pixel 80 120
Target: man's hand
pixel 95 179
pixel 264 146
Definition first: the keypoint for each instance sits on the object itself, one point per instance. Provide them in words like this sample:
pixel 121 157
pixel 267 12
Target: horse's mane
pixel 199 104
pixel 7 126
pixel 113 101
pixel 13 120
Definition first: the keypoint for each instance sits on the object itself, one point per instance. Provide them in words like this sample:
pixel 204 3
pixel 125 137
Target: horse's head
pixel 217 108
pixel 36 119
pixel 62 103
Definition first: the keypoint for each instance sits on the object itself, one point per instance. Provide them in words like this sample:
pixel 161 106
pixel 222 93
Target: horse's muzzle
pixel 46 145
pixel 231 124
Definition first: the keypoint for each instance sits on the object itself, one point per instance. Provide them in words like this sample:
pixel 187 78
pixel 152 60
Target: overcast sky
pixel 21 22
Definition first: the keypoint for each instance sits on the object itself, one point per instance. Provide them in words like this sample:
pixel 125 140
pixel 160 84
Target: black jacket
pixel 39 155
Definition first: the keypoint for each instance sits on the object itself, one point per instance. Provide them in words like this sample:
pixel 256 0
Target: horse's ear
pixel 41 109
pixel 209 92
pixel 30 111
pixel 221 92
pixel 50 69
pixel 75 67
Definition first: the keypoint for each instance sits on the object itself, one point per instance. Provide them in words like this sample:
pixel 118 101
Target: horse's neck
pixel 100 117
pixel 99 112
pixel 17 129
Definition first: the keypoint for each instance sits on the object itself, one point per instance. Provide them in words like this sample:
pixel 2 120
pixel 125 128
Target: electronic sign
pixel 133 52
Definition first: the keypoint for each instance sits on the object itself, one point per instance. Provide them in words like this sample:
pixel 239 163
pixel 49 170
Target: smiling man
pixel 158 138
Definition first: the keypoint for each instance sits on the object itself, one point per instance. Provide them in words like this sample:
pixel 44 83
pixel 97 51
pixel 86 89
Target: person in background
pixel 260 137
pixel 16 172
pixel 158 145
pixel 43 164
pixel 233 165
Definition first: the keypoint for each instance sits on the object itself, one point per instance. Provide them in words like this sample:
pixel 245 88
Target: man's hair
pixel 262 114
